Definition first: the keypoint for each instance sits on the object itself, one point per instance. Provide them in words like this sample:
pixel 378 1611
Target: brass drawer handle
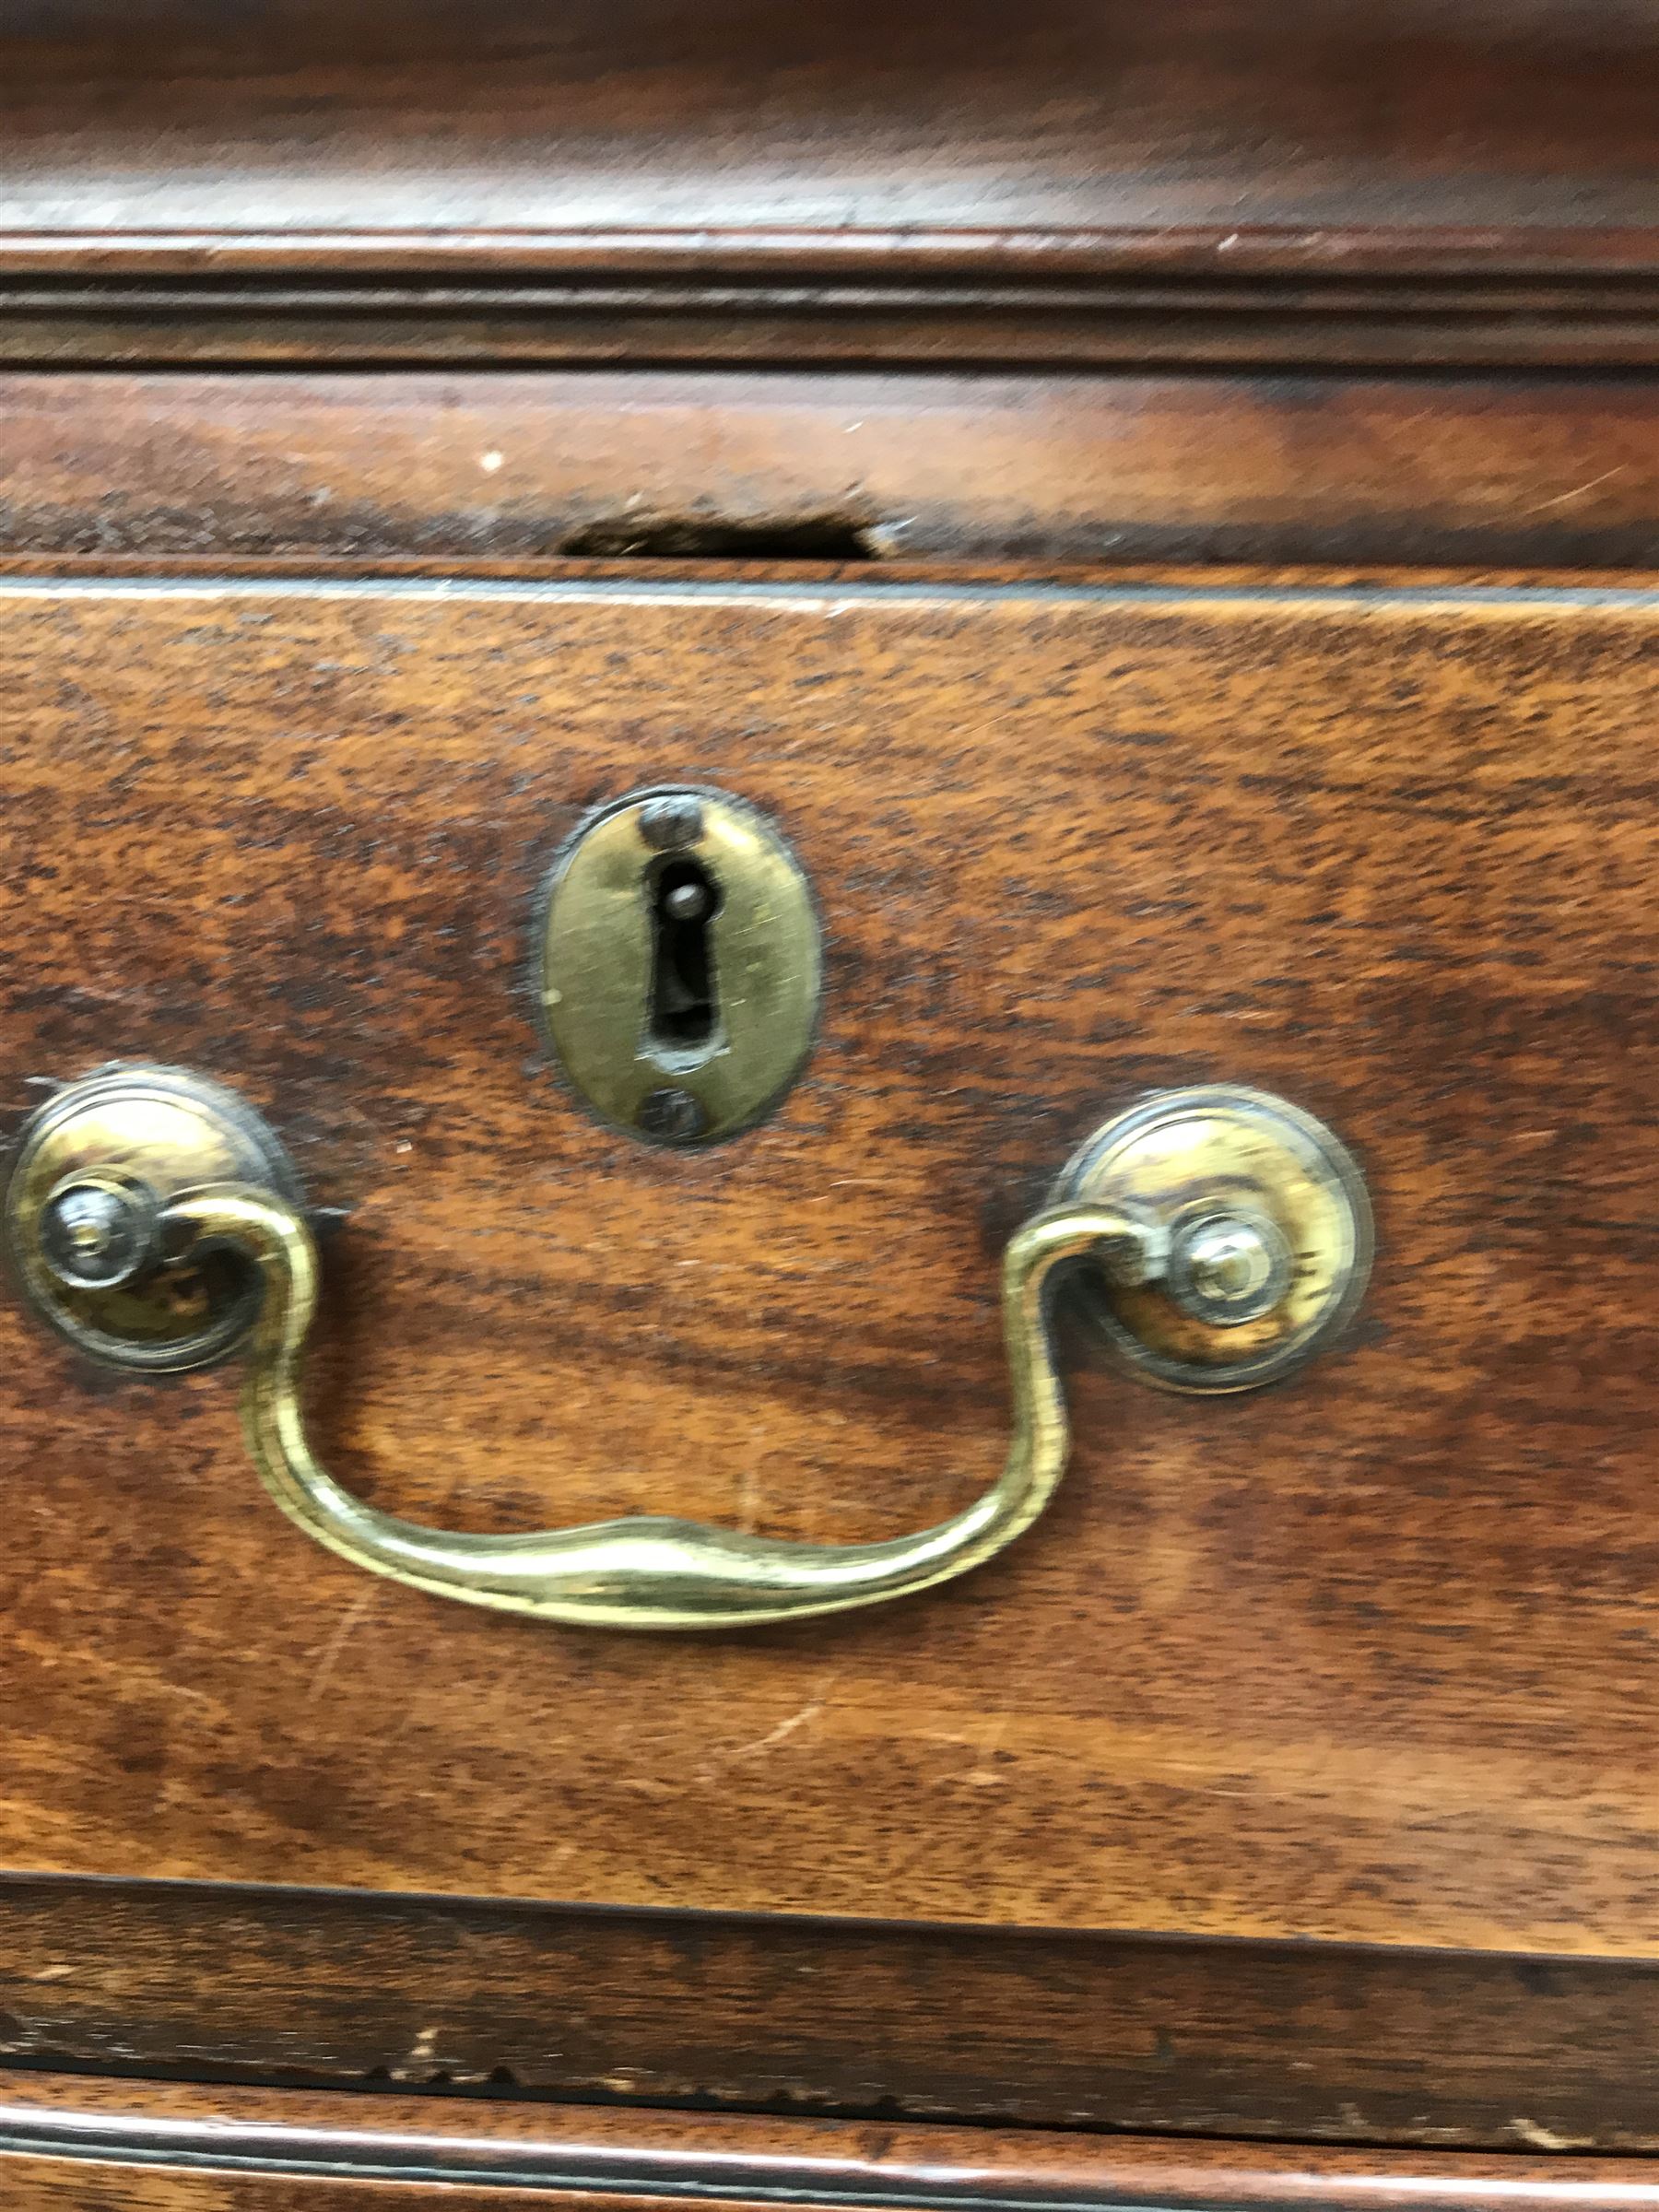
pixel 107 1205
pixel 644 1572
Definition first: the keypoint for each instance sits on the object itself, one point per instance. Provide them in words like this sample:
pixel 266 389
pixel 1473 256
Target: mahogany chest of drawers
pixel 868 807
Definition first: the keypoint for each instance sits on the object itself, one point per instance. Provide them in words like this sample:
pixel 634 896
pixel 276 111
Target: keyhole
pixel 685 1007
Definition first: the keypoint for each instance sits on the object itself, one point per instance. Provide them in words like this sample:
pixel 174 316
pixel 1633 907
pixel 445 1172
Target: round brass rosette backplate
pixel 158 1132
pixel 1270 1231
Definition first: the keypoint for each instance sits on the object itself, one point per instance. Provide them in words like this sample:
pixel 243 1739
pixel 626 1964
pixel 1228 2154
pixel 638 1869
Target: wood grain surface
pixel 981 467
pixel 1370 1656
pixel 101 2146
pixel 107 2146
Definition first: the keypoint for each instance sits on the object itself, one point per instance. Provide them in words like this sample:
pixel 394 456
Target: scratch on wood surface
pixel 778 1734
pixel 328 1658
pixel 1545 2139
pixel 1578 491
pixel 773 1736
pixel 748 1499
pixel 984 1772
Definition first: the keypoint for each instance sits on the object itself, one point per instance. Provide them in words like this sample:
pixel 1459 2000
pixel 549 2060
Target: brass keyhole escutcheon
pixel 680 965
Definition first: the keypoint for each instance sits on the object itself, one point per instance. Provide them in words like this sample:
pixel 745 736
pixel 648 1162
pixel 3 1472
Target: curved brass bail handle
pixel 648 1572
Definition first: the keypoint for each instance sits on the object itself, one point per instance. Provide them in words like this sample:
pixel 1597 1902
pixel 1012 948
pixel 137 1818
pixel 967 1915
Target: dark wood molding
pixel 1335 2042
pixel 165 2145
pixel 1351 300
pixel 920 255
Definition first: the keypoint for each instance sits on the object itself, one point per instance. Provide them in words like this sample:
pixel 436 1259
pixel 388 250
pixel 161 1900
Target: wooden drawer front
pixel 1368 1656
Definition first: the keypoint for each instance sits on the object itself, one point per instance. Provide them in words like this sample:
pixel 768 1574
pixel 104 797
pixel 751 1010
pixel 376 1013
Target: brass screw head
pixel 672 1117
pixel 669 823
pixel 96 1233
pixel 1228 1268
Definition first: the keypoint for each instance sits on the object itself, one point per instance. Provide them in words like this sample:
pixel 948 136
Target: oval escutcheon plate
pixel 680 965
